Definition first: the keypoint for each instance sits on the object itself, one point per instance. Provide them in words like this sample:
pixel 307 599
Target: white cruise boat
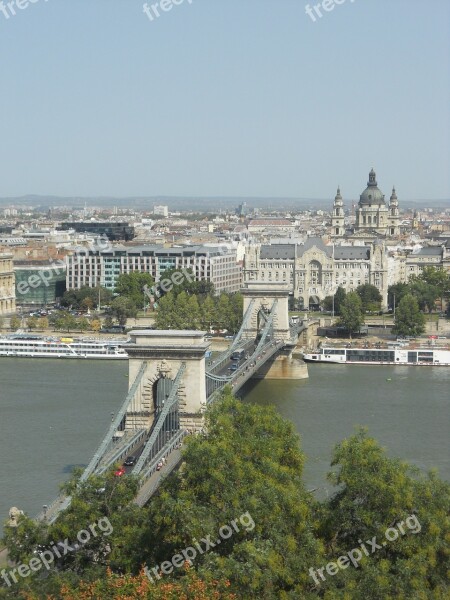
pixel 434 357
pixel 35 346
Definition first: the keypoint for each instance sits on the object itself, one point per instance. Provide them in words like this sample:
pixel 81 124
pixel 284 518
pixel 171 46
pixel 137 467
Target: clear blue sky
pixel 225 97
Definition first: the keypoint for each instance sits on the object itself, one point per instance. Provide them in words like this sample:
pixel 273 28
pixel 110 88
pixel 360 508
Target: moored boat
pixel 35 346
pixel 411 356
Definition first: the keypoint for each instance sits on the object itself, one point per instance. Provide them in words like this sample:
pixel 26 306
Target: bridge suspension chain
pixel 155 441
pixel 237 342
pixel 107 440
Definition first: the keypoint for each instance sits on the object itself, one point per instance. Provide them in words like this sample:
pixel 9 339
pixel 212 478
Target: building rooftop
pixel 352 252
pixel 429 251
pixel 280 251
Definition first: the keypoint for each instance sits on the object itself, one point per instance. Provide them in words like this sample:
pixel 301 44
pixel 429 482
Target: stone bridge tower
pixel 165 352
pixel 263 295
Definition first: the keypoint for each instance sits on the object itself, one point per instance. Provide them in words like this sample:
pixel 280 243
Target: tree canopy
pixel 131 286
pixel 86 297
pixel 183 280
pixel 351 313
pixel 184 311
pixel 370 297
pixel 123 308
pixel 388 522
pixel 339 298
pixel 430 285
pixel 409 320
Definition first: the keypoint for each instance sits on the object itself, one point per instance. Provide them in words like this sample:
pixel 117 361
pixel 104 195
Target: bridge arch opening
pixel 162 388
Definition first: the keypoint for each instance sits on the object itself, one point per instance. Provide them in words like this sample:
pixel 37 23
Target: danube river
pixel 53 414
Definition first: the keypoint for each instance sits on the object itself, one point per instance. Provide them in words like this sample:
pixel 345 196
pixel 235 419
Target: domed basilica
pixel 373 216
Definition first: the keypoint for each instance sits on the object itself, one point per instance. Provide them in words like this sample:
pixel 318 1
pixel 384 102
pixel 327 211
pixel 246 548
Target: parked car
pixel 119 472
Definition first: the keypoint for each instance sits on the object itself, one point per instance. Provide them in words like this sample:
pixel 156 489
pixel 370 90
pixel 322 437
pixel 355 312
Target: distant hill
pixel 206 204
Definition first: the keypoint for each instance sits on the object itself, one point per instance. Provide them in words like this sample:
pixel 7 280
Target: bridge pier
pixel 286 365
pixel 165 351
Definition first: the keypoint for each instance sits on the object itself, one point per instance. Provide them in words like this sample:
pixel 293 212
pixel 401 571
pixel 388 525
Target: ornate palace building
pixel 314 270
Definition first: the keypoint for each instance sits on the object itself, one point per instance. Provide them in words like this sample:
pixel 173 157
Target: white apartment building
pixel 162 211
pixel 217 264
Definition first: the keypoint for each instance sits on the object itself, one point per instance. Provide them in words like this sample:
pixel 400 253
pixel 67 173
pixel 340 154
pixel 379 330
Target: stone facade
pixel 263 297
pixel 374 218
pixel 165 352
pixel 373 214
pixel 432 256
pixel 338 216
pixel 314 270
pixel 7 285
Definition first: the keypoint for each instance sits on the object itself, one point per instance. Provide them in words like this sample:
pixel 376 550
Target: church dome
pixel 372 194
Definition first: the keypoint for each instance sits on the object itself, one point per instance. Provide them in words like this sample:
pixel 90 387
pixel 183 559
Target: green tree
pixel 182 316
pixel 131 286
pixel 409 320
pixel 351 313
pixel 432 284
pixel 327 303
pixel 183 280
pixel 166 314
pixel 66 322
pixel 208 314
pixel 370 297
pixel 15 322
pixel 425 293
pixel 237 308
pixel 376 493
pixel 96 325
pixel 32 323
pixel 87 304
pixel 123 308
pixel 247 462
pixel 108 322
pixel 103 500
pixel 43 323
pixel 83 324
pixel 224 311
pixel 194 313
pixel 87 295
pixel 396 293
pixel 339 298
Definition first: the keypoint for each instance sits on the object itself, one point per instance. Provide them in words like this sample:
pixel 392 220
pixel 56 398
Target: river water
pixel 53 414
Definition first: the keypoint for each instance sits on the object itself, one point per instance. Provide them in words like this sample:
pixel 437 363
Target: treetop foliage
pixel 249 460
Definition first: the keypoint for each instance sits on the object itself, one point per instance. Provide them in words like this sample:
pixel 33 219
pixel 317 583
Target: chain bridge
pixel 172 382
